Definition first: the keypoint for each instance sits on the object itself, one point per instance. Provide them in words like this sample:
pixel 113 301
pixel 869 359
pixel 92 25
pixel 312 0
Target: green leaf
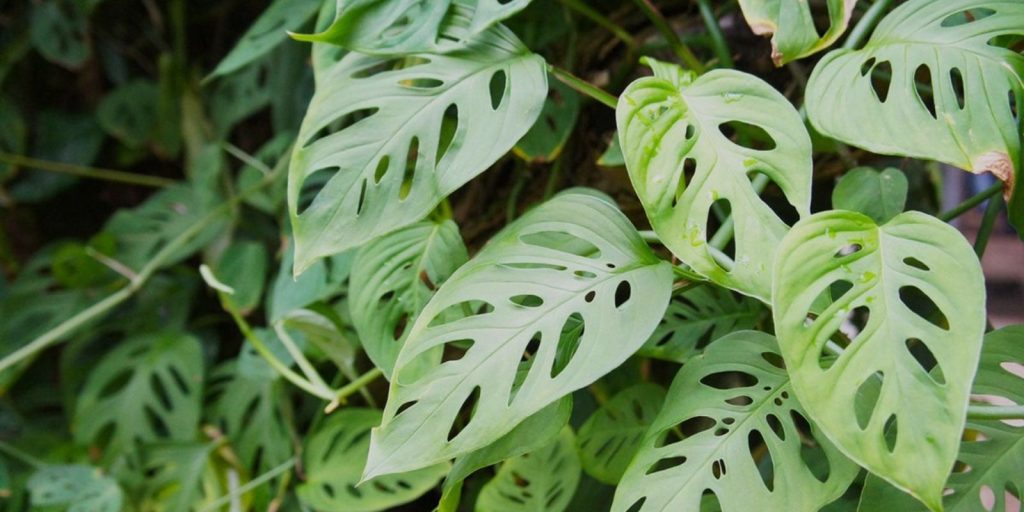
pixel 920 286
pixel 612 435
pixel 333 459
pixel 791 25
pixel 59 32
pixel 240 94
pixel 129 113
pixel 243 267
pixel 146 389
pixel 547 137
pixel 932 83
pixel 76 266
pixel 542 481
pixel 575 259
pixel 731 425
pixel 393 277
pixel 267 32
pixel 322 281
pixel 673 121
pixel 175 474
pixel 698 317
pixel 612 157
pixel 371 158
pixel 879 195
pixel 62 137
pixel 78 488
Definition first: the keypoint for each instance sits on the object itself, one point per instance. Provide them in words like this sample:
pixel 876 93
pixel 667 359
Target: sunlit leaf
pixel 791 25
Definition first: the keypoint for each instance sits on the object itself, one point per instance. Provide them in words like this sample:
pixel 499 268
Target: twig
pixel 86 172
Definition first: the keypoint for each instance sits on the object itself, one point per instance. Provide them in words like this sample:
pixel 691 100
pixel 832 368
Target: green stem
pixel 988 223
pixel 352 387
pixel 972 202
pixel 20 455
pixel 995 412
pixel 86 172
pixel 583 87
pixel 866 24
pixel 602 21
pixel 307 368
pixel 671 37
pixel 250 485
pixel 718 41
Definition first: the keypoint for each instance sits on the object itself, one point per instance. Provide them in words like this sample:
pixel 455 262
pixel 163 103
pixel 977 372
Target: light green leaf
pixel 175 475
pixel 77 488
pixel 791 25
pixel 393 277
pixel 731 425
pixel 268 31
pixel 672 122
pixel 934 82
pixel 547 137
pixel 129 113
pixel 575 259
pixel 540 481
pixel 323 280
pixel 371 158
pixel 879 195
pixel 920 285
pixel 59 32
pixel 612 435
pixel 243 267
pixel 612 157
pixel 333 460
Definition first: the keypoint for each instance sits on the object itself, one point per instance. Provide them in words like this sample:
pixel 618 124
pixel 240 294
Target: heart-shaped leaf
pixel 731 425
pixel 935 81
pixel 384 141
pixel 333 457
pixel 268 31
pixel 879 195
pixel 612 435
pixel 681 163
pixel 573 260
pixel 540 481
pixel 75 489
pixel 791 25
pixel 393 277
pixel 920 287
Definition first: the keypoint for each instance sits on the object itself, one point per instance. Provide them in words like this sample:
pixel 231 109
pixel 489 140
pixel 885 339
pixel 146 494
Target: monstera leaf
pixel 268 31
pixel 540 481
pixel 732 426
pixel 546 139
pixel 381 145
pixel 611 436
pixel 672 124
pixel 573 263
pixel 933 82
pixel 880 195
pixel 332 462
pixel 178 476
pixel 75 488
pixel 791 25
pixel 896 399
pixel 395 27
pixel 393 278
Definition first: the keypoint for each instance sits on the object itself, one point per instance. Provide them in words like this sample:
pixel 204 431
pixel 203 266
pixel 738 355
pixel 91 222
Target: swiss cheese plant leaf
pixel 75 489
pixel 612 435
pixel 682 163
pixel 697 317
pixel 547 137
pixel 791 25
pixel 393 277
pixel 543 480
pixel 896 399
pixel 572 263
pixel 148 388
pixel 177 475
pixel 935 81
pixel 129 113
pixel 732 425
pixel 333 458
pixel 59 31
pixel 324 279
pixel 880 195
pixel 378 150
pixel 268 31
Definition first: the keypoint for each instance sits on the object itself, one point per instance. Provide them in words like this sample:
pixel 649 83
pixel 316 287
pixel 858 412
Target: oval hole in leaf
pixel 729 380
pixel 562 242
pixel 967 16
pixel 747 135
pixel 916 263
pixel 926 359
pixel 568 342
pixel 956 80
pixel 766 467
pixel 467 410
pixel 312 186
pixel 665 464
pixel 923 306
pixel 775 424
pixel 867 398
pixel 881 80
pixel 499 86
pixel 924 89
pixel 891 430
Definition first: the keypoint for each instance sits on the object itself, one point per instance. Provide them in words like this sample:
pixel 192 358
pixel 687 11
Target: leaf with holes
pixel 935 81
pixel 791 25
pixel 146 389
pixel 698 317
pixel 547 137
pixel 268 31
pixel 731 425
pixel 333 457
pixel 612 435
pixel 573 260
pixel 543 480
pixel 880 195
pixel 672 124
pixel 920 285
pixel 393 277
pixel 75 489
pixel 373 154
pixel 178 476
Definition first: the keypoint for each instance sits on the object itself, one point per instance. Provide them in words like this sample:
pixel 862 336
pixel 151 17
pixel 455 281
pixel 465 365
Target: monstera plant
pixel 503 255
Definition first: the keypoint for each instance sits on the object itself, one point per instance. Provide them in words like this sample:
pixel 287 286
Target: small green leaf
pixel 612 157
pixel 75 488
pixel 543 480
pixel 879 195
pixel 322 281
pixel 547 137
pixel 243 267
pixel 612 435
pixel 268 31
pixel 176 474
pixel 791 25
pixel 59 32
pixel 129 113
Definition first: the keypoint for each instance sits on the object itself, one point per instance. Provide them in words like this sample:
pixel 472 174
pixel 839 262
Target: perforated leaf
pixel 540 481
pixel 936 81
pixel 612 435
pixel 670 125
pixel 547 137
pixel 377 150
pixel 920 286
pixel 880 195
pixel 575 259
pixel 791 25
pixel 731 425
pixel 178 476
pixel 74 488
pixel 393 277
pixel 333 460
pixel 268 31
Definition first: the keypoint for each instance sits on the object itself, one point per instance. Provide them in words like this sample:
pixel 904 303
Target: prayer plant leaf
pixel 384 141
pixel 573 264
pixel 543 480
pixel 731 425
pixel 909 370
pixel 268 31
pixel 791 25
pixel 393 277
pixel 333 460
pixel 75 489
pixel 612 435
pixel 880 195
pixel 935 81
pixel 671 125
